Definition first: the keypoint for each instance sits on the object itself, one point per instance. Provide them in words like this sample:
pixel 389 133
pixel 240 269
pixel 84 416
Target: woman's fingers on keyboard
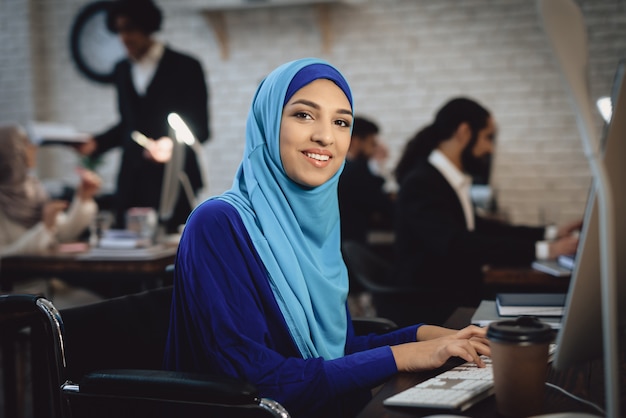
pixel 466 350
pixel 481 345
pixel 476 337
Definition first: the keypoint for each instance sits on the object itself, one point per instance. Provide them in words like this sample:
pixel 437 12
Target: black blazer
pixel 362 200
pixel 178 86
pixel 433 247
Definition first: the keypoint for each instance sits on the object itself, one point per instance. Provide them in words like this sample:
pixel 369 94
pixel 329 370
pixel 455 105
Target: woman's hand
pixel 438 344
pixel 89 184
pixel 51 210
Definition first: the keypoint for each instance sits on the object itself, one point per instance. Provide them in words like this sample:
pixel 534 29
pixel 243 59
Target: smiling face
pixel 315 133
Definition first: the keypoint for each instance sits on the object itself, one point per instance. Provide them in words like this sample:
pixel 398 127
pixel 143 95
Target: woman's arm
pixel 32 241
pixel 17 239
pixel 82 210
pixel 77 218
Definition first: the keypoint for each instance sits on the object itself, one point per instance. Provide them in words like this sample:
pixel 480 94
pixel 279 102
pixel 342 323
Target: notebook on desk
pixel 536 304
pixel 487 312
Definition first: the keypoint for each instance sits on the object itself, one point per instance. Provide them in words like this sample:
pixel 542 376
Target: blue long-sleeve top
pixel 225 319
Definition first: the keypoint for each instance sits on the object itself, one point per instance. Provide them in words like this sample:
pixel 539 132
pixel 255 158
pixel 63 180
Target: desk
pixel 496 278
pixel 146 271
pixel 584 380
pixel 521 279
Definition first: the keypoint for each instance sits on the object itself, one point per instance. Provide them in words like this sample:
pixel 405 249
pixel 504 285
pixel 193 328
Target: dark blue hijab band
pixel 312 73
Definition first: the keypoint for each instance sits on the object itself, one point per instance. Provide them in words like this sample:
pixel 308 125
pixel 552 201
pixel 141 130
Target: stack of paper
pixel 55 133
pixel 123 239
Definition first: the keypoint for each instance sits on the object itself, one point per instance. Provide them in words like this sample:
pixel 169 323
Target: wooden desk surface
pixel 521 279
pixel 585 381
pixel 65 265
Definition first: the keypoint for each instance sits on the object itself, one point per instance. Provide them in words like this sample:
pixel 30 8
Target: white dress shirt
pixel 143 70
pixel 458 180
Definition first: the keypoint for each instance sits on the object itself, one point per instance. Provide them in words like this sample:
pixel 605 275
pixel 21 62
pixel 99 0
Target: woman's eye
pixel 302 115
pixel 343 123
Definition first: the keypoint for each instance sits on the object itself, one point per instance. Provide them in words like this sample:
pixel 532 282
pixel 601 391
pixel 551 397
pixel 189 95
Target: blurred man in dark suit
pixel 151 82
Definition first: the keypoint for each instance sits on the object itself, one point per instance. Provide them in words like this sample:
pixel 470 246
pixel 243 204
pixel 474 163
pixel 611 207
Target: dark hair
pixel 447 120
pixel 143 14
pixel 363 127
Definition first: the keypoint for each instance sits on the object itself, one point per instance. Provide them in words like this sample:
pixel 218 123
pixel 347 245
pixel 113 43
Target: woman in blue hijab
pixel 260 287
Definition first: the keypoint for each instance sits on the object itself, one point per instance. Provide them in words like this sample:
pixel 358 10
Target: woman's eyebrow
pixel 306 103
pixel 317 107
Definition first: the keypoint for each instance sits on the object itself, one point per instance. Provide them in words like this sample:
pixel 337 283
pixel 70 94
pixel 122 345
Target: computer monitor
pixel 171 187
pixel 593 321
pixel 580 337
pixel 175 179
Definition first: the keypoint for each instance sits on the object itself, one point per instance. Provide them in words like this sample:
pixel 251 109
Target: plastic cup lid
pixel 520 330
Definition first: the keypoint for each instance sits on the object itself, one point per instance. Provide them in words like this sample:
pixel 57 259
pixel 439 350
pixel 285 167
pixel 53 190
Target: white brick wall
pixel 403 59
pixel 15 78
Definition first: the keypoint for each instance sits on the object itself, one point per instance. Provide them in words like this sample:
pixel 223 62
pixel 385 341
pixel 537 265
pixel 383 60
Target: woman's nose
pixel 323 134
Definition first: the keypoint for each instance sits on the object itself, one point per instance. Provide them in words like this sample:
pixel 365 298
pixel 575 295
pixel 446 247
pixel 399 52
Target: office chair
pixel 104 360
pixel 402 304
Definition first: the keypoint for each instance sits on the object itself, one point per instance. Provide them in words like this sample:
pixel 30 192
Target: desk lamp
pixel 183 133
pixel 605 108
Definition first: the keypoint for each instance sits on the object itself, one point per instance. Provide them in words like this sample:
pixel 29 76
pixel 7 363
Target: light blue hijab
pixel 294 229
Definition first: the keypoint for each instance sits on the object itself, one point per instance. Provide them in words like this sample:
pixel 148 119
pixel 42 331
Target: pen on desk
pixel 140 138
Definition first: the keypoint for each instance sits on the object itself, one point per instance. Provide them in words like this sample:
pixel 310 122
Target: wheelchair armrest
pixel 168 385
pixel 376 325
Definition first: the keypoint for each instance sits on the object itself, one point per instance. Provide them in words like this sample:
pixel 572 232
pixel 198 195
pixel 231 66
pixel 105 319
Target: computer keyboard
pixel 456 389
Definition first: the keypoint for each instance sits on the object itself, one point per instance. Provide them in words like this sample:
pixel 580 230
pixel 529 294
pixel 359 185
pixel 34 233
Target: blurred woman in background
pixel 31 222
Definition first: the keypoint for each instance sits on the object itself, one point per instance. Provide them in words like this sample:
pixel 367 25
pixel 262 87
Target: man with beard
pixel 441 244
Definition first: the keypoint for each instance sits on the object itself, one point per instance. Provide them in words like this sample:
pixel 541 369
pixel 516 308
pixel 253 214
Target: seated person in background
pixel 30 222
pixel 440 242
pixel 260 286
pixel 363 203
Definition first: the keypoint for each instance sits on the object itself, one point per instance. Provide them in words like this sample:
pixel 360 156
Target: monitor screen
pixel 171 187
pixel 580 338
